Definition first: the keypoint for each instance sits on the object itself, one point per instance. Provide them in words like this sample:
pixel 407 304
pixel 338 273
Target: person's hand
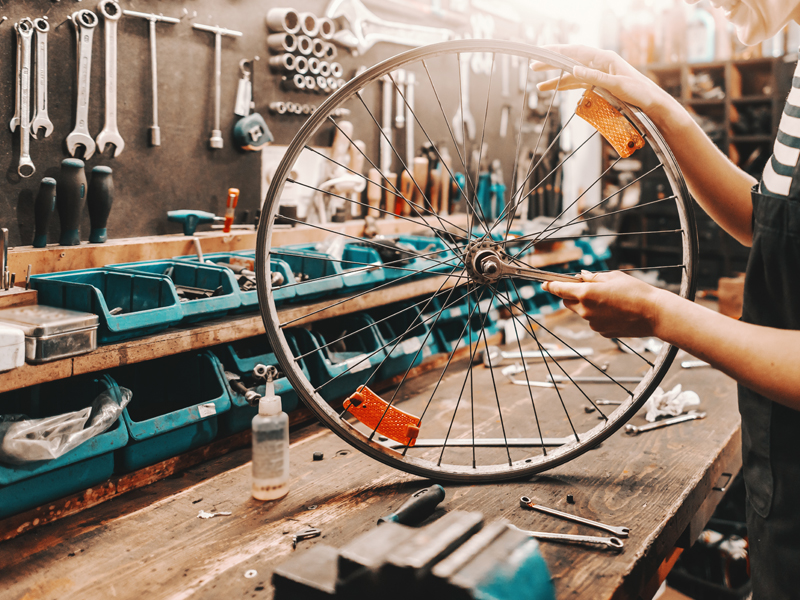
pixel 606 69
pixel 615 304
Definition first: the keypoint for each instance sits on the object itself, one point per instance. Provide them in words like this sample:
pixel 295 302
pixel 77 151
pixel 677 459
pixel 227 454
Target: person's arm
pixel 721 188
pixel 764 359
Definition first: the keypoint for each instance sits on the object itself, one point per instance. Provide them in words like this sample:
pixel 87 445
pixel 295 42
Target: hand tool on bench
pixel 613 543
pixel 192 218
pixel 495 357
pixel 230 209
pixel 526 502
pixel 374 192
pixel 690 416
pixel 70 194
pixel 40 117
pixel 42 209
pixel 155 131
pixel 99 198
pixel 111 12
pixel 84 21
pixel 6 279
pixel 215 141
pixel 416 509
pixel 24 31
pixel 446 182
pixel 417 192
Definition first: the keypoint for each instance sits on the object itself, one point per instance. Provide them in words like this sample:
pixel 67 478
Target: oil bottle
pixel 270 444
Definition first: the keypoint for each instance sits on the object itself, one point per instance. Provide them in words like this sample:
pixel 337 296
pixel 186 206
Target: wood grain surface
pixel 150 543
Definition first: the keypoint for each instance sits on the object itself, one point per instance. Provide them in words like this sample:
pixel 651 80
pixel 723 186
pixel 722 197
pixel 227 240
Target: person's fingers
pixel 597 77
pixel 567 82
pixel 598 59
pixel 564 289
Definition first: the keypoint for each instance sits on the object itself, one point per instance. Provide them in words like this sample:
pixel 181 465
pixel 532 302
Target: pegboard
pixel 183 172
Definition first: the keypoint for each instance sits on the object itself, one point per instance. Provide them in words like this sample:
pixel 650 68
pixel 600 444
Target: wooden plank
pixel 650 483
pixel 55 258
pixel 17 296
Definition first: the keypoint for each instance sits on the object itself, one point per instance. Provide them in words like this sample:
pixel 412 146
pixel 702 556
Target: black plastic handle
pixel 42 209
pixel 418 508
pixel 70 192
pixel 99 199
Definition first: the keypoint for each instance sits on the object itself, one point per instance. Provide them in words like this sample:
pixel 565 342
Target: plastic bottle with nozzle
pixel 270 445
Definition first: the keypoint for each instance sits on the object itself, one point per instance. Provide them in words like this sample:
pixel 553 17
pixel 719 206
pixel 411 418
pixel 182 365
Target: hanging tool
pixel 416 509
pixel 70 193
pixel 399 77
pixel 24 31
pixel 374 193
pixel 363 29
pixel 84 21
pixel 99 198
pixel 230 209
pixel 215 141
pixel 357 151
pixel 526 502
pixel 690 416
pixel 155 131
pixel 613 543
pixel 283 19
pixel 498 190
pixel 111 12
pixel 463 118
pixel 40 117
pixel 42 209
pixel 390 179
pixel 192 218
pixel 402 207
pixel 250 132
pixel 6 279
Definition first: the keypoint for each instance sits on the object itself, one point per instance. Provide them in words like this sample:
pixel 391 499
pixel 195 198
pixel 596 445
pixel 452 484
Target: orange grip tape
pixel 617 130
pixel 369 408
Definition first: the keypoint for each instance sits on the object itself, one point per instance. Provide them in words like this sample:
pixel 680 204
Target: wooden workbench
pixel 151 543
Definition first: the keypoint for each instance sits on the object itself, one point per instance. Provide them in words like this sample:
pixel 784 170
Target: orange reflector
pixel 369 408
pixel 617 130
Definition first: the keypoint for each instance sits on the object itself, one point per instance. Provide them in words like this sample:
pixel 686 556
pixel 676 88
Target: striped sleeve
pixel 779 170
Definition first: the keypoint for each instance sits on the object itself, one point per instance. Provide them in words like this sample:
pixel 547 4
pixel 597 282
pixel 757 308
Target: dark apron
pixel 771 431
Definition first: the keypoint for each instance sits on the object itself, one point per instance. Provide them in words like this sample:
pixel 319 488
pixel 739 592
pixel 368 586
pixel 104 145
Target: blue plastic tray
pixel 424 245
pixel 176 400
pixel 149 302
pixel 197 275
pixel 26 486
pixel 449 327
pixel 406 347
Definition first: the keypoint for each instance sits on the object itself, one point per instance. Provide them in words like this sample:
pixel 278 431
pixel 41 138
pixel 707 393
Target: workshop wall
pixel 183 172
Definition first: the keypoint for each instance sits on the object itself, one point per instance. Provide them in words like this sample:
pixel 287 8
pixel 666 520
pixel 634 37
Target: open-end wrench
pixel 24 37
pixel 526 502
pixel 690 416
pixel 14 123
pixel 155 131
pixel 614 543
pixel 40 118
pixel 111 12
pixel 215 141
pixel 463 117
pixel 85 21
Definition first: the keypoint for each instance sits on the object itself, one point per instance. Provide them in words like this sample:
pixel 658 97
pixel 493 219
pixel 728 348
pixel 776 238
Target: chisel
pixel 70 193
pixel 374 192
pixel 420 172
pixel 99 199
pixel 42 209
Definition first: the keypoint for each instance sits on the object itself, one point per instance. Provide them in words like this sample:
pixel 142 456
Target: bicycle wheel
pixel 414 331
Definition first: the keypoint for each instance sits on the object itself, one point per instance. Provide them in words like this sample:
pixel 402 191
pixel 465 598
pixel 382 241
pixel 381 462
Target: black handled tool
pixel 70 192
pixel 418 508
pixel 99 198
pixel 42 209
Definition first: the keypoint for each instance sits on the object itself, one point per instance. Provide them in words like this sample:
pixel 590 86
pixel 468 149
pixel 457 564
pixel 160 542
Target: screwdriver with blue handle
pixel 419 507
pixel 70 193
pixel 192 218
pixel 99 199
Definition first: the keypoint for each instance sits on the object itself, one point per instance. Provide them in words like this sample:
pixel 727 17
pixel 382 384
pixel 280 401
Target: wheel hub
pixel 483 261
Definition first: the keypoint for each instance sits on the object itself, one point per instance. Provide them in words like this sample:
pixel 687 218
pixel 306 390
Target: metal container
pixel 52 333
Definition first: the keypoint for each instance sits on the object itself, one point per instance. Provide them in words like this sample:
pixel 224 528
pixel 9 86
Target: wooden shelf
pixel 706 101
pixel 229 329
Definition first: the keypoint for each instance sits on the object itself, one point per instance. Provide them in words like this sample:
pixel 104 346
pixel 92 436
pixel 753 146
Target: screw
pixel 570 499
pixel 318 456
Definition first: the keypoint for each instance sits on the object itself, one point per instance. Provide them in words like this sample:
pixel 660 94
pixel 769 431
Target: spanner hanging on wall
pixel 85 21
pixel 155 131
pixel 24 31
pixel 215 141
pixel 111 12
pixel 40 117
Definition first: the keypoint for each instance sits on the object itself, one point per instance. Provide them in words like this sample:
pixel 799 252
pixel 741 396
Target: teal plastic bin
pixel 444 262
pixel 249 299
pixel 241 357
pixel 195 275
pixel 176 400
pixel 450 329
pixel 408 337
pixel 149 303
pixel 26 486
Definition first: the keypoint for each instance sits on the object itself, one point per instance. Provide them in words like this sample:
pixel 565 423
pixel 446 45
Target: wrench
pixel 15 119
pixel 24 36
pixel 526 502
pixel 690 416
pixel 85 21
pixel 111 12
pixel 463 117
pixel 40 118
pixel 614 543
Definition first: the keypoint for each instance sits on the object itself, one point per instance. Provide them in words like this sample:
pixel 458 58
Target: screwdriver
pixel 99 198
pixel 233 200
pixel 70 192
pixel 42 209
pixel 418 508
